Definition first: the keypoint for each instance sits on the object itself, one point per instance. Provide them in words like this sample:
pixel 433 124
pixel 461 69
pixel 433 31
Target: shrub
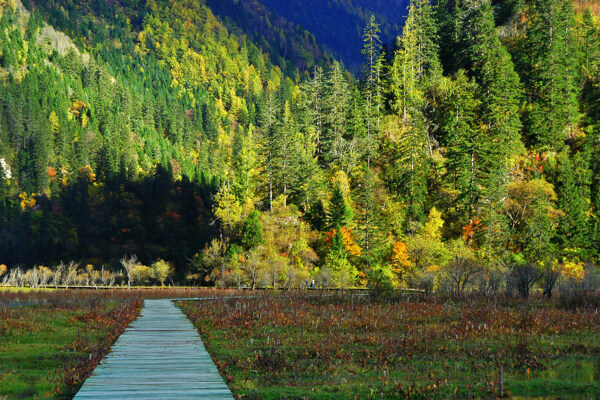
pixel 522 278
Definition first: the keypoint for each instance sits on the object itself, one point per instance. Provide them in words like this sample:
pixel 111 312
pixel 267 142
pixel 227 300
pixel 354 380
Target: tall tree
pixel 371 80
pixel 573 191
pixel 498 90
pixel 269 122
pixel 338 106
pixel 339 213
pixel 314 107
pixel 551 73
pixel 416 62
pixel 465 141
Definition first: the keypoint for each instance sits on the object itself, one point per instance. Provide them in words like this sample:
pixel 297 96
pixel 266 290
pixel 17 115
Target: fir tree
pixel 573 191
pixel 252 235
pixel 465 141
pixel 551 73
pixel 415 64
pixel 338 105
pixel 339 213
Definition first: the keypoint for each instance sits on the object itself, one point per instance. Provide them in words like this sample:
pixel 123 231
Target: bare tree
pixel 461 271
pixel 70 275
pixel 252 265
pixel 32 278
pixel 129 265
pixel 16 277
pixel 58 274
pixel 106 277
pixel 523 278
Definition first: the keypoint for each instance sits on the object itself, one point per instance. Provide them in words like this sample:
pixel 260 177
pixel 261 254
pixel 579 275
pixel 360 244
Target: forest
pixel 462 157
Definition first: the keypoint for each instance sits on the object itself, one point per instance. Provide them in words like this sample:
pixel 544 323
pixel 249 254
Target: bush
pixel 580 290
pixel 522 278
pixel 460 273
pixel 491 281
pixel 424 280
pixel 380 282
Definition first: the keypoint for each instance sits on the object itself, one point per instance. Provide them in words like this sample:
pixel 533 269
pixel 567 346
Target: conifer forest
pixel 447 145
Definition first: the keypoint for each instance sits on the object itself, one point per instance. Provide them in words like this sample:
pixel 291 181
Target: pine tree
pixel 465 141
pixel 246 165
pixel 252 235
pixel 416 62
pixel 590 68
pixel 333 139
pixel 573 190
pixel 268 145
pixel 314 106
pixel 339 213
pixel 499 85
pixel 285 152
pixel 372 81
pixel 495 134
pixel 551 73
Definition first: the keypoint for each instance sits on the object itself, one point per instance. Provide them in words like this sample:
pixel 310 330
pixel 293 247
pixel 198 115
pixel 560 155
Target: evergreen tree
pixel 495 137
pixel 252 235
pixel 498 83
pixel 314 107
pixel 268 145
pixel 590 68
pixel 285 153
pixel 371 80
pixel 573 191
pixel 465 145
pixel 339 213
pixel 415 64
pixel 247 164
pixel 333 140
pixel 551 73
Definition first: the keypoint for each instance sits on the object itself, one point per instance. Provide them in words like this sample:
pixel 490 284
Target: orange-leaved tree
pixel 400 259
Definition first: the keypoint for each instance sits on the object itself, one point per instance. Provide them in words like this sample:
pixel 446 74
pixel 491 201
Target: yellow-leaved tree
pixel 227 209
pixel 161 271
pixel 434 224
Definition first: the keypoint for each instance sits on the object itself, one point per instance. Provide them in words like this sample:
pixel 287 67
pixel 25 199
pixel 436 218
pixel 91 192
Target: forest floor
pixel 343 347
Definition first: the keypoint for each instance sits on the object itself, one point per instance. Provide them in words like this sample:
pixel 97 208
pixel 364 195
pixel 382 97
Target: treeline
pixel 466 155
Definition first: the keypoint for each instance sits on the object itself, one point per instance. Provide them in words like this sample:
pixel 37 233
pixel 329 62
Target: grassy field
pixel 316 345
pixel 51 339
pixel 299 347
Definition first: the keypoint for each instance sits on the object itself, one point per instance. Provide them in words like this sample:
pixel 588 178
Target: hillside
pixel 287 44
pixel 466 160
pixel 131 99
pixel 339 24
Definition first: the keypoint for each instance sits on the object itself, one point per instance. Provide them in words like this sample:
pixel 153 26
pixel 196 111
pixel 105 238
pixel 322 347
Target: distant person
pixel 312 284
pixel 307 283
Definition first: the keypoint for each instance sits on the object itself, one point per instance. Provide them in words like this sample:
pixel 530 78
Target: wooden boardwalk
pixel 160 356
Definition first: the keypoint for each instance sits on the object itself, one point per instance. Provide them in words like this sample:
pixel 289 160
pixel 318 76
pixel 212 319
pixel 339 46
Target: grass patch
pixel 298 347
pixel 48 347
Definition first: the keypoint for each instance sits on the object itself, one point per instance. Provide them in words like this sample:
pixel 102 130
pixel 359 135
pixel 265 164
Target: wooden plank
pixel 160 356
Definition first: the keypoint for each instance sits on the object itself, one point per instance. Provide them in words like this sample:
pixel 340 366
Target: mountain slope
pixel 132 102
pixel 339 24
pixel 287 44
